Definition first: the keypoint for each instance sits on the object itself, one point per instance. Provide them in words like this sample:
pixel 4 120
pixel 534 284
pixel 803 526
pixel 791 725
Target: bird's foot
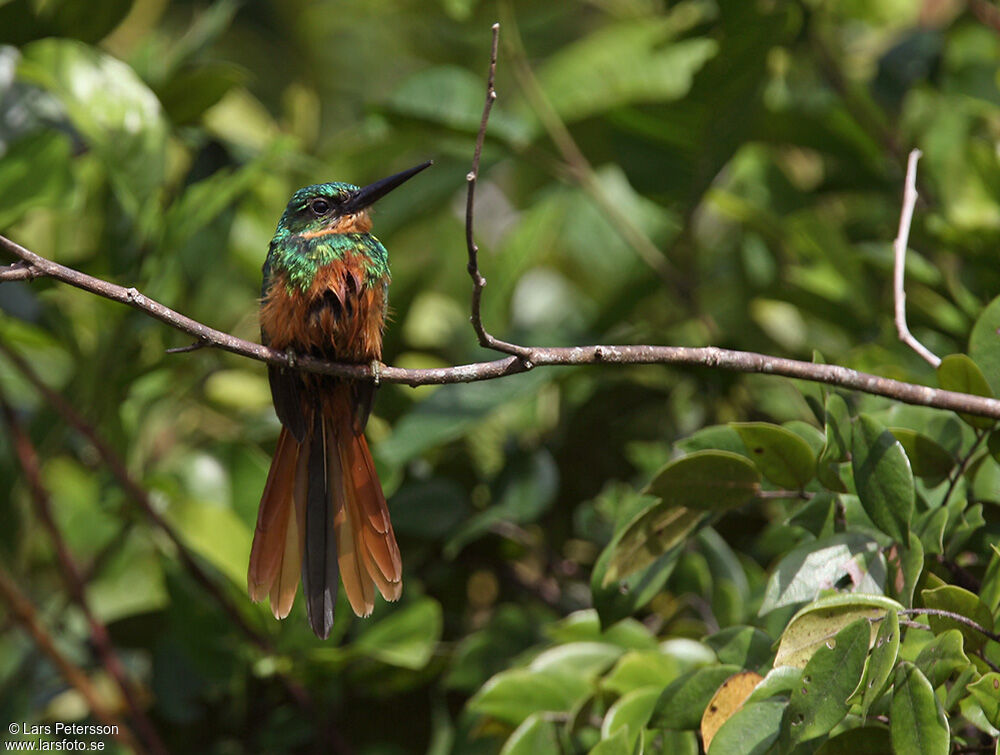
pixel 291 357
pixel 376 369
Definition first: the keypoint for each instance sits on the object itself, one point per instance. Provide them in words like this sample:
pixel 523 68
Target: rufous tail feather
pixel 323 515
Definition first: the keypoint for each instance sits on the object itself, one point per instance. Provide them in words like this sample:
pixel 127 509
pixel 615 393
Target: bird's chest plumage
pixel 339 316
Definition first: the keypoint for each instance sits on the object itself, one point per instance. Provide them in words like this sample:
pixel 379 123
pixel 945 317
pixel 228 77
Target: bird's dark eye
pixel 320 206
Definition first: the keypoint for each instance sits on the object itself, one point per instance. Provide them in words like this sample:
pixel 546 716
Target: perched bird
pixel 322 512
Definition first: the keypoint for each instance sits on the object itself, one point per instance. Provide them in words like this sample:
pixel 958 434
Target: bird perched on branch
pixel 323 514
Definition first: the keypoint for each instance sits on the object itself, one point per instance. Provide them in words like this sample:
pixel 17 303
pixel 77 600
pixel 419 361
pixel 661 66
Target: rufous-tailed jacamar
pixel 323 513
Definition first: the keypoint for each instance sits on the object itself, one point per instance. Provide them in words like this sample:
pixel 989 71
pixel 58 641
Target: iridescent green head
pixel 324 206
pixel 324 222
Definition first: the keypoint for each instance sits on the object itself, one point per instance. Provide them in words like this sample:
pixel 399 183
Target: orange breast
pixel 339 316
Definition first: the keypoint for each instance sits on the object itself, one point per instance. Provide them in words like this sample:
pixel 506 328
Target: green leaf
pixel 630 713
pixel 114 111
pixel 752 730
pixel 512 696
pixel 452 96
pixel 585 626
pixel 837 429
pixel 928 460
pixel 864 740
pixel 743 646
pixel 881 661
pixel 832 674
pixel 883 478
pixel 816 516
pixel 640 668
pixel 216 533
pixel 587 659
pixel 780 680
pixel 633 61
pixel 960 601
pixel 707 481
pixel 193 90
pixel 782 456
pixel 989 593
pixel 916 721
pixel 34 172
pixel 943 656
pixel 451 412
pixel 682 703
pixel 911 564
pixel 984 343
pixel 616 744
pixel 405 638
pixel 536 734
pixel 959 373
pixel 130 583
pixel 811 568
pixel 648 537
pixel 21 20
pixel 986 692
pixel 618 599
pixel 814 624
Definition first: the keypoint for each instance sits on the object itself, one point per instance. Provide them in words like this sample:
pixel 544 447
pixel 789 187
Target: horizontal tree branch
pixel 535 356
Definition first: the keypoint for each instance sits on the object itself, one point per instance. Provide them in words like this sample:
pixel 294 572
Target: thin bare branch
pixel 898 276
pixel 24 613
pixel 478 281
pixel 19 271
pixel 708 356
pixel 954 617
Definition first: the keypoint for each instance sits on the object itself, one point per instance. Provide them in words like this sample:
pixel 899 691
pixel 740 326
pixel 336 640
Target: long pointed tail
pixel 323 514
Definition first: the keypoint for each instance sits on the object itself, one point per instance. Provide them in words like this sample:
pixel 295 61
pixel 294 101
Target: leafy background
pixel 702 173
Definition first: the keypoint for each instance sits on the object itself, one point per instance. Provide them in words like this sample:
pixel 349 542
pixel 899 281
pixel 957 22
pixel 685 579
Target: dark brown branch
pixel 27 457
pixel 486 340
pixel 708 356
pixel 954 617
pixel 24 613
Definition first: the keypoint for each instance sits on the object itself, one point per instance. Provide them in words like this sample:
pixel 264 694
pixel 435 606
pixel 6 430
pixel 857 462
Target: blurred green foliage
pixel 564 589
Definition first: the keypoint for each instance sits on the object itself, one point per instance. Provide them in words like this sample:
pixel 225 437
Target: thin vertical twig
pixel 478 281
pixel 899 247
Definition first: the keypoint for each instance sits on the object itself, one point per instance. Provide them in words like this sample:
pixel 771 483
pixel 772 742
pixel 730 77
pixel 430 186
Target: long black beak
pixel 368 195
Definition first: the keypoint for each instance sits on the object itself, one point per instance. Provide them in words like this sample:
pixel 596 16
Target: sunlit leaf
pixel 706 481
pixel 916 720
pixel 820 702
pixel 957 600
pixel 752 730
pixel 112 108
pixel 726 701
pixel 986 691
pixel 781 455
pixel 883 477
pixel 819 622
pixel 816 566
pixel 959 373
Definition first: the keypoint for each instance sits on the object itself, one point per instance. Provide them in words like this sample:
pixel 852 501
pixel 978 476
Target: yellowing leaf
pixel 728 699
